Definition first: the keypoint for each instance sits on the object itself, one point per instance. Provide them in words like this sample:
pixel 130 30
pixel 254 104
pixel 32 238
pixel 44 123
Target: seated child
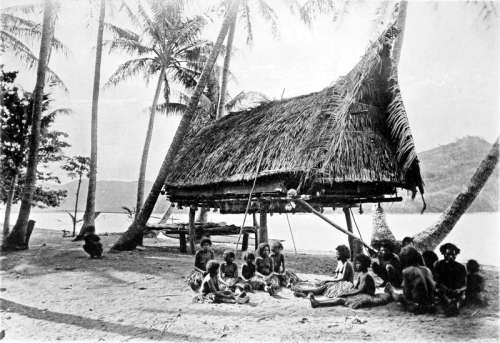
pixel 286 277
pixel 228 273
pixel 264 270
pixel 210 290
pixel 418 284
pixel 474 293
pixel 388 267
pixel 342 278
pixel 201 258
pixel 92 245
pixel 430 258
pixel 361 295
pixel 248 277
pixel 450 278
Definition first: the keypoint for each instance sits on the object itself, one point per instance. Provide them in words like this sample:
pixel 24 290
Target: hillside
pixel 445 170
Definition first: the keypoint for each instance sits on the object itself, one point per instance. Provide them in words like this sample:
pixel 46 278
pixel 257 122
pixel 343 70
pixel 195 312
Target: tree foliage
pixel 16 126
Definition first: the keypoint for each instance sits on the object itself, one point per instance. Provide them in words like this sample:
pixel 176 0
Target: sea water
pixel 476 234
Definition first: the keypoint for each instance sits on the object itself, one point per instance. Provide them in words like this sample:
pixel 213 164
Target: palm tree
pixel 130 238
pixel 431 237
pixel 17 238
pixel 18 32
pixel 166 45
pixel 89 215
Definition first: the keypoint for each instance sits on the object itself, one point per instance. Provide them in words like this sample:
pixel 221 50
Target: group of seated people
pixel 425 281
pixel 222 282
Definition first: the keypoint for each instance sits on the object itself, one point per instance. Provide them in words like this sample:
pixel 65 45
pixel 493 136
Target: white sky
pixel 449 72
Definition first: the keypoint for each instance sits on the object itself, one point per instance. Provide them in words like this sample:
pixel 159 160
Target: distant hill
pixel 111 196
pixel 445 170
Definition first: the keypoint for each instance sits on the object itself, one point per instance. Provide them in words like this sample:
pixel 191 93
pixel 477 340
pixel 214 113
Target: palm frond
pixel 312 8
pixel 133 68
pixel 127 45
pixel 119 32
pixel 269 15
pixel 247 22
pixel 171 108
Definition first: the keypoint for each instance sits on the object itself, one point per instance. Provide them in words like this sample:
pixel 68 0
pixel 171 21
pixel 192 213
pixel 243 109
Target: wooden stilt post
pixel 192 230
pixel 263 238
pixel 256 226
pixel 355 244
pixel 244 243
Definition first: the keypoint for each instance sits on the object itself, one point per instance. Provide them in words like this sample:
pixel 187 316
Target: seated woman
pixel 264 272
pixel 388 267
pixel 430 258
pixel 361 295
pixel 450 278
pixel 228 273
pixel 286 277
pixel 249 280
pixel 418 284
pixel 201 258
pixel 474 293
pixel 342 281
pixel 211 292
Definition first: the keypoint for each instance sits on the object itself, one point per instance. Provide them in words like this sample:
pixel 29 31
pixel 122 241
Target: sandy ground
pixel 54 292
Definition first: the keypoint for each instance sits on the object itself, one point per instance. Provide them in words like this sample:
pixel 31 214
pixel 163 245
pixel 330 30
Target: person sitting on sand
pixel 430 259
pixel 287 278
pixel 228 272
pixel 265 269
pixel 407 241
pixel 361 295
pixel 201 258
pixel 211 292
pixel 418 284
pixel 343 278
pixel 474 293
pixel 388 267
pixel 92 245
pixel 450 277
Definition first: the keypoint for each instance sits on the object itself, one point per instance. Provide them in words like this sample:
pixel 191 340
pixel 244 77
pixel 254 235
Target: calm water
pixel 476 234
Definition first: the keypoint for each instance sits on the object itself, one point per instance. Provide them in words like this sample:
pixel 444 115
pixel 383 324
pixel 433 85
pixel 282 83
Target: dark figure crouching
pixel 450 278
pixel 92 245
pixel 474 293
pixel 418 284
pixel 388 267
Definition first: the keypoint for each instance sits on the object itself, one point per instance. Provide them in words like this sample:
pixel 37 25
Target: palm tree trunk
pixel 129 239
pixel 8 205
pixel 401 24
pixel 89 215
pixel 76 204
pixel 431 237
pixel 17 238
pixel 147 143
pixel 225 70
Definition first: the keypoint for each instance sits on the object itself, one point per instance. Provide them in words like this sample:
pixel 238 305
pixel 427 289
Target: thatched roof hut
pixel 346 144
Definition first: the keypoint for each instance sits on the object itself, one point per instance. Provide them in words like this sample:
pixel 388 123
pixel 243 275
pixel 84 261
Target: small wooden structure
pixel 345 145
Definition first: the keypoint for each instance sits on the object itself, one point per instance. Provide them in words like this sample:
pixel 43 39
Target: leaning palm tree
pixel 167 45
pixel 18 33
pixel 17 238
pixel 131 237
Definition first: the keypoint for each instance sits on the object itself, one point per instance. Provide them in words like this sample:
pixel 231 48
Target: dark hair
pixel 472 266
pixel 261 247
pixel 276 244
pixel 227 254
pixel 249 256
pixel 90 229
pixel 430 258
pixel 205 240
pixel 410 257
pixel 447 246
pixel 364 260
pixel 386 243
pixel 406 241
pixel 212 266
pixel 344 252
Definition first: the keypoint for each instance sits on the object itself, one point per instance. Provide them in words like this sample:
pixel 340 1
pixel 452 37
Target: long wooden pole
pixel 319 214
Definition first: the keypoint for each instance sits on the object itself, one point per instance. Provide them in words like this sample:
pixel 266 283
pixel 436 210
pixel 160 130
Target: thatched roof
pixel 355 131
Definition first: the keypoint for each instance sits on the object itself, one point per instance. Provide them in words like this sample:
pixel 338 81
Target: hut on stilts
pixel 343 146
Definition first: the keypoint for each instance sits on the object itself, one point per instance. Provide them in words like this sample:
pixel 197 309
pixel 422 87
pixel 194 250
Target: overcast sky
pixel 449 75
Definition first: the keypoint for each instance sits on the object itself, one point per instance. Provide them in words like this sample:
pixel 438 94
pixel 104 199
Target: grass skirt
pixel 367 300
pixel 195 279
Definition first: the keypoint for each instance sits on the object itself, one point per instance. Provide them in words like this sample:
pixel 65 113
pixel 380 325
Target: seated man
pixel 450 278
pixel 388 267
pixel 474 293
pixel 418 284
